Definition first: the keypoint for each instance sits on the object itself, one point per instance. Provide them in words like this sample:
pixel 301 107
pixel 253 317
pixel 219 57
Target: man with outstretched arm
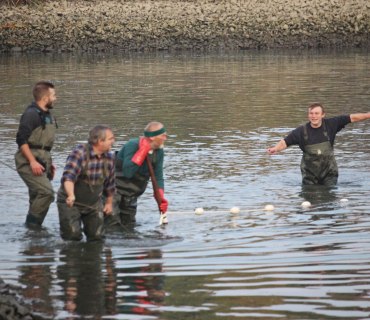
pixel 88 176
pixel 316 140
pixel 35 139
pixel 132 172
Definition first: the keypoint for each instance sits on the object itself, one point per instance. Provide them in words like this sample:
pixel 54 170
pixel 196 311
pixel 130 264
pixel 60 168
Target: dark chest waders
pixel 318 165
pixel 134 186
pixel 86 192
pixel 87 207
pixel 128 192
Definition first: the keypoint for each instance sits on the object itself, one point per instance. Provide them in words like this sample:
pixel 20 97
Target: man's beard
pixel 49 105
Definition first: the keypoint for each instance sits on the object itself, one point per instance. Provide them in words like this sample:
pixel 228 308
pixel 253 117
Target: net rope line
pixel 218 211
pixel 205 211
pixel 51 189
pixel 75 202
pixel 169 212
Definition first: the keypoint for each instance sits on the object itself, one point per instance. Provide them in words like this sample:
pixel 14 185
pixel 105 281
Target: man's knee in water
pixel 128 218
pixel 70 232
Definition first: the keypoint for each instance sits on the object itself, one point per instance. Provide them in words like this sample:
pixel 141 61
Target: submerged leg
pixel 128 207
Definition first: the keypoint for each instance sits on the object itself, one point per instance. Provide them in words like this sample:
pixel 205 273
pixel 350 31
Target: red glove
pixel 164 203
pixel 142 152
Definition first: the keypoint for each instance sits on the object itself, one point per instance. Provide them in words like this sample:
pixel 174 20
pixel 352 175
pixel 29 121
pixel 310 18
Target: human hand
pixel 108 209
pixel 164 203
pixel 70 201
pixel 36 168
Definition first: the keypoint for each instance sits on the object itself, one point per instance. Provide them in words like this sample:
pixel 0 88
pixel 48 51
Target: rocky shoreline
pixel 92 26
pixel 12 306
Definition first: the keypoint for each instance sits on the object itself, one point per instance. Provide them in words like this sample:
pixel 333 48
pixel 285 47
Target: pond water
pixel 221 111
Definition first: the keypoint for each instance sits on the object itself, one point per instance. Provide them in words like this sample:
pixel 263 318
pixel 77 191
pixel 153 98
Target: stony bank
pixel 144 25
pixel 12 305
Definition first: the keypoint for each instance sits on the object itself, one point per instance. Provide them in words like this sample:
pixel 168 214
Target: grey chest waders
pixel 39 187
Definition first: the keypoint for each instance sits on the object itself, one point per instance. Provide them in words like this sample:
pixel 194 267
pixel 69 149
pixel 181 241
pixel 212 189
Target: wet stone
pixel 12 307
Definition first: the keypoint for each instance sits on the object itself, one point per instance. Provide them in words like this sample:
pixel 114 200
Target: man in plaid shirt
pixel 88 176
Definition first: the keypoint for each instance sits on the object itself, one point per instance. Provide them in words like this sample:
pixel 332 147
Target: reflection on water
pixel 85 290
pixel 36 278
pixel 221 112
pixel 319 194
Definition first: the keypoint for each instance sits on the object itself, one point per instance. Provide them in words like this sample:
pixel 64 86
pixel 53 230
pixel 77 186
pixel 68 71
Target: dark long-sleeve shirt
pixel 316 135
pixel 32 118
pixel 129 168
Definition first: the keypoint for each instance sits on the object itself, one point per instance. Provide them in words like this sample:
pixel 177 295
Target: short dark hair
pixel 315 105
pixel 41 89
pixel 97 133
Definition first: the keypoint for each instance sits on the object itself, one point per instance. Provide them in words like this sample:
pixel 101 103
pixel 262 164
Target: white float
pixel 234 210
pixel 269 207
pixel 199 211
pixel 306 204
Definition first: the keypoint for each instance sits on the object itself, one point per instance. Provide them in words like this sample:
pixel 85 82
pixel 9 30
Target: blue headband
pixel 154 133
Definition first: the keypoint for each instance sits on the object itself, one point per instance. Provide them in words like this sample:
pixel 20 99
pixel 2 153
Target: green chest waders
pixel 40 190
pixel 318 165
pixel 128 192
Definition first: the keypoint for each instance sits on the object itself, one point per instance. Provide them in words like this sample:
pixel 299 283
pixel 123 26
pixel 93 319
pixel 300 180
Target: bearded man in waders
pixel 88 176
pixel 133 173
pixel 316 140
pixel 35 138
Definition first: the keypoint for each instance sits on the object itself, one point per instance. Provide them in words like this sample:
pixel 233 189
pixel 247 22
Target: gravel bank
pixel 12 306
pixel 177 25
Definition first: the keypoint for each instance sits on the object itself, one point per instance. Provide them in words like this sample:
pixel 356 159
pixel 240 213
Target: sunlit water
pixel 221 111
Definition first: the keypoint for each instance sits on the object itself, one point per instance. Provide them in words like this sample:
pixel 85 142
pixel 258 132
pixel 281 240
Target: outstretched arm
pixel 355 117
pixel 281 145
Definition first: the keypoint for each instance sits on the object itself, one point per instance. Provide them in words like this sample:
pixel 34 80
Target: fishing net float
pixel 306 204
pixel 269 207
pixel 233 210
pixel 237 210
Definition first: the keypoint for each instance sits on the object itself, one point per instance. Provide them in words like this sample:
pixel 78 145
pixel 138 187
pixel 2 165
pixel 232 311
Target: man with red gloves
pixel 132 172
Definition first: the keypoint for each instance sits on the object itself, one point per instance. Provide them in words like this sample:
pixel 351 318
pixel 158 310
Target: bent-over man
pixel 132 172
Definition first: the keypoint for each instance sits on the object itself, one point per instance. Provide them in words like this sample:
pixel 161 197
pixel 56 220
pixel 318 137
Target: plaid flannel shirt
pixel 77 160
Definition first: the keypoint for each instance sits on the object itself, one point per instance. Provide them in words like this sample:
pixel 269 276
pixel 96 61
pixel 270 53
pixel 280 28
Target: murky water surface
pixel 221 113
